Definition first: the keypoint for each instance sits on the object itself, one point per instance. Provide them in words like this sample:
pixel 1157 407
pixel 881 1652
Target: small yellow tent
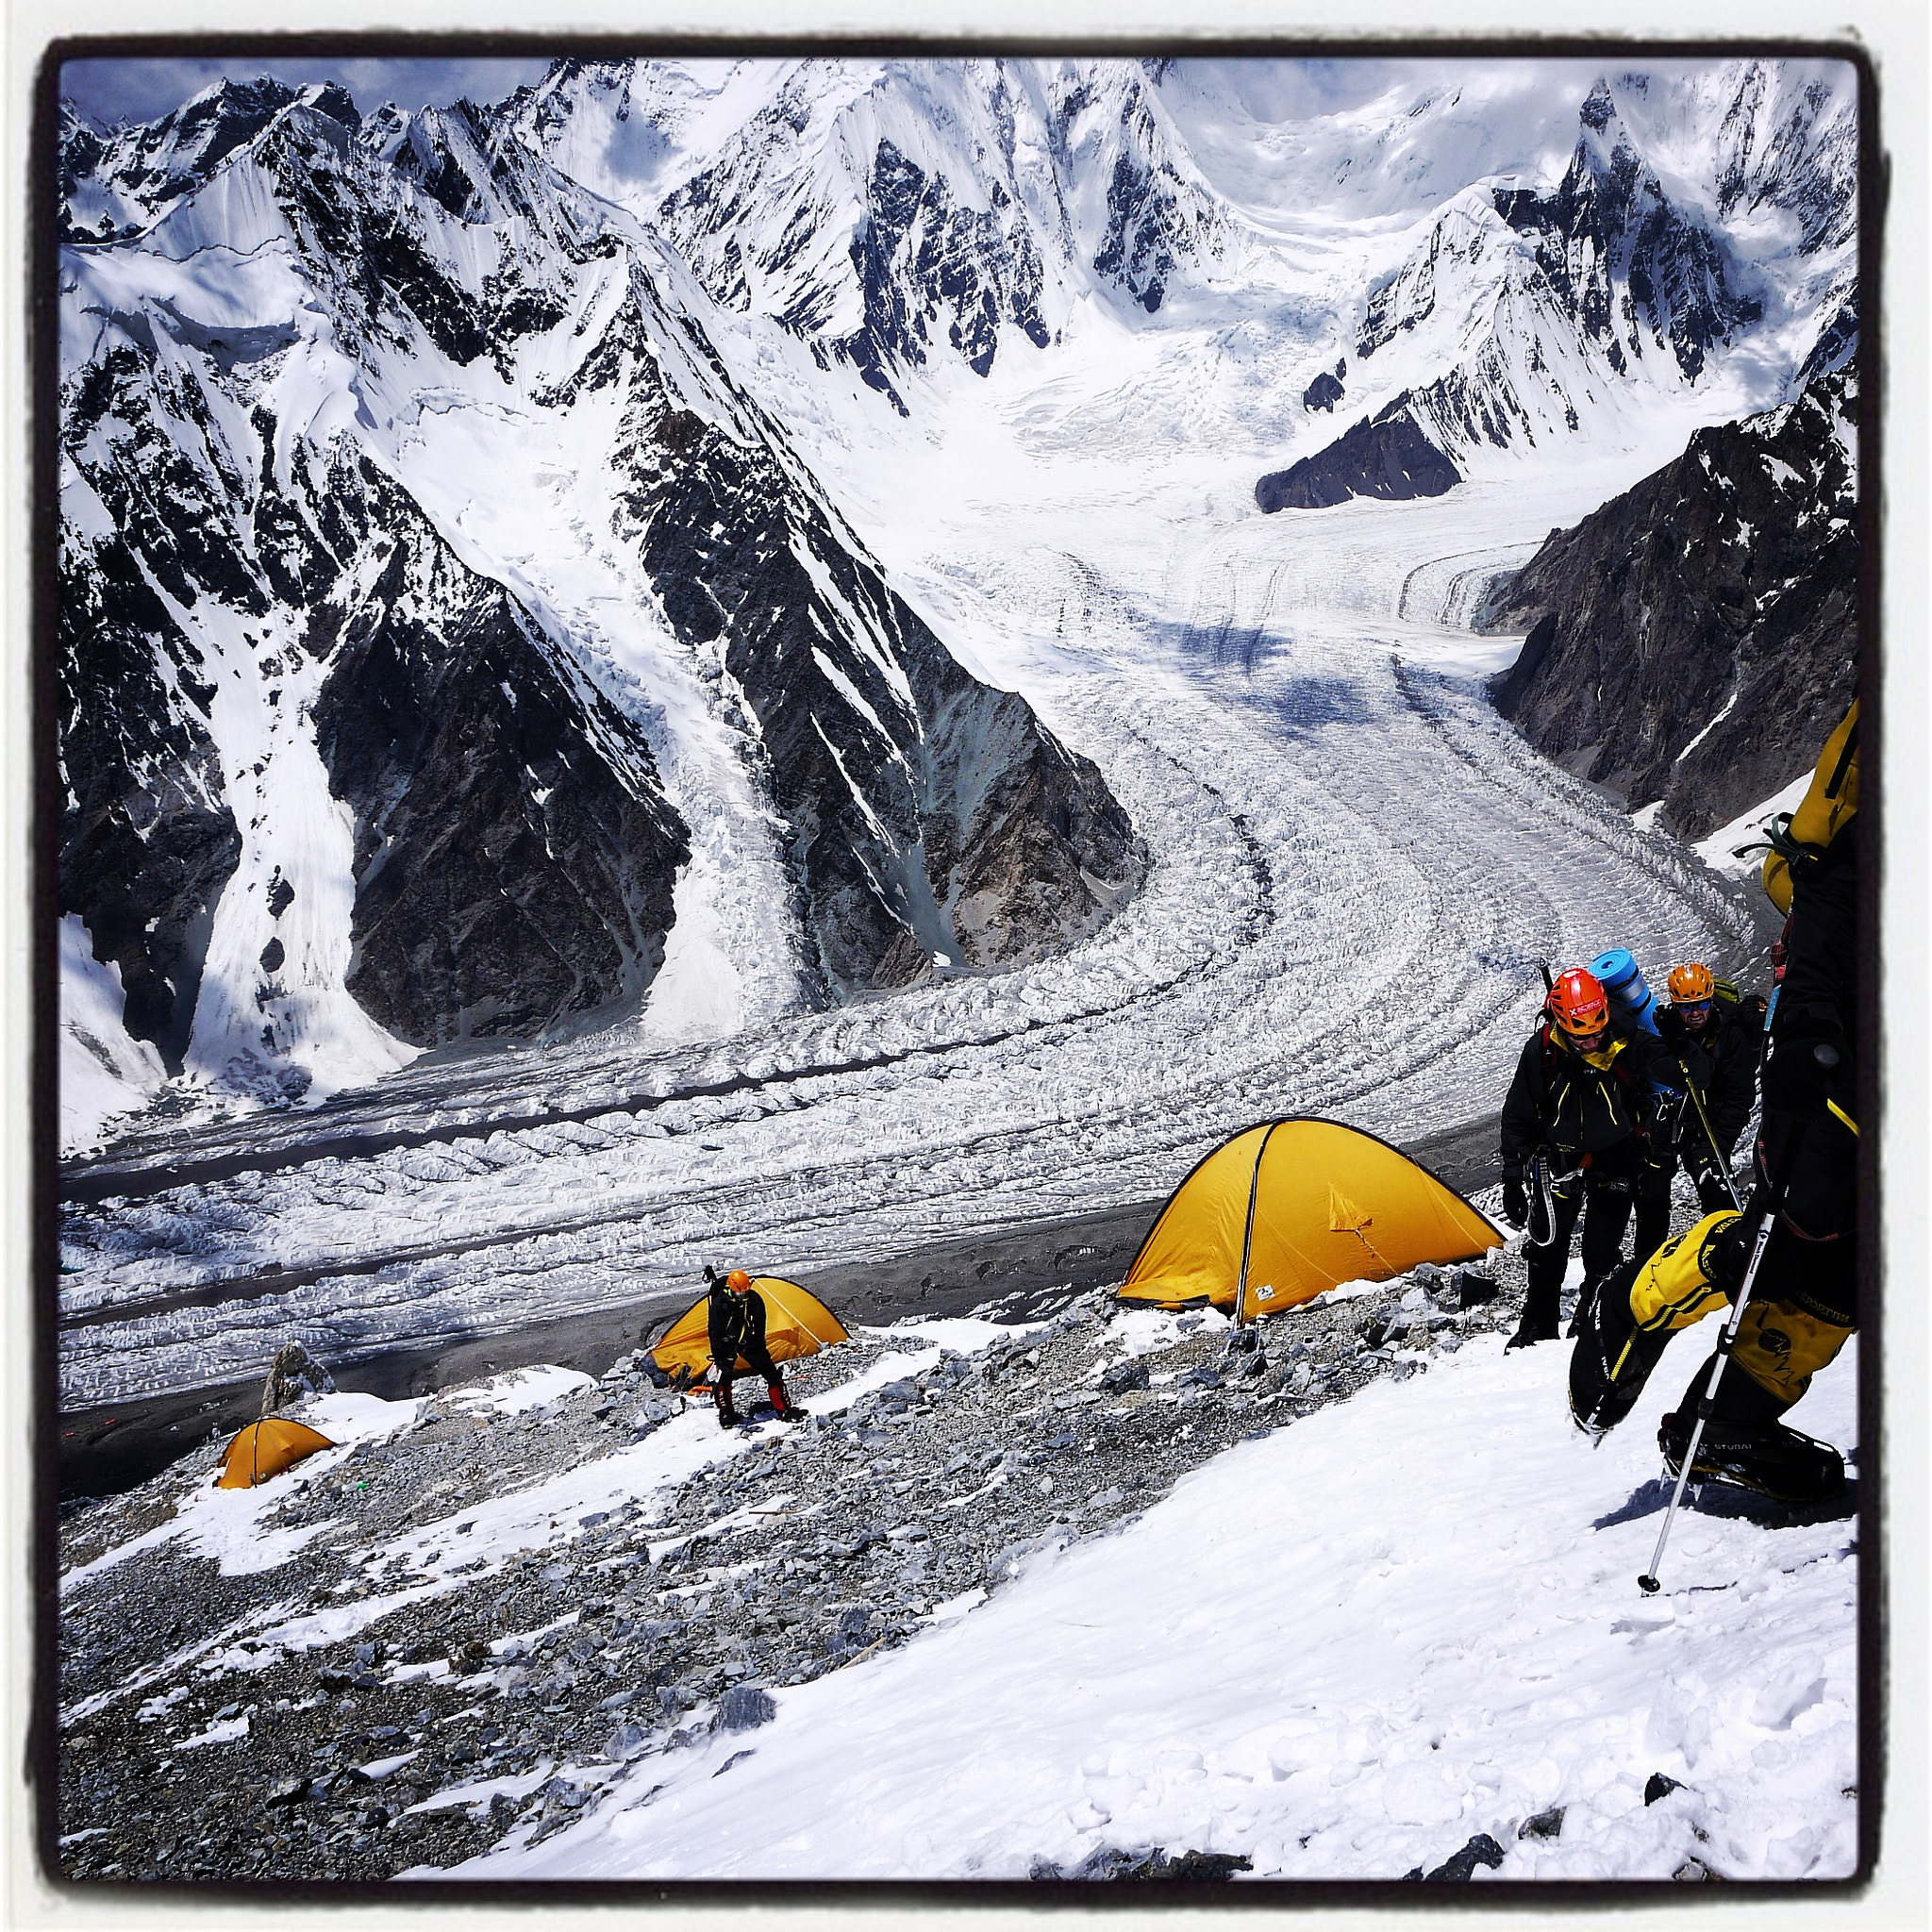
pixel 797 1323
pixel 266 1448
pixel 1289 1207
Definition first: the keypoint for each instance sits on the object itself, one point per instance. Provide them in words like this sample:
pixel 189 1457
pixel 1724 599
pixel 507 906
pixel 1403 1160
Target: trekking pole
pixel 1724 1165
pixel 1827 1057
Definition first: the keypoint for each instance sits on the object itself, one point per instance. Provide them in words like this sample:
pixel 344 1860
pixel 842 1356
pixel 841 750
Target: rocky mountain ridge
pixel 274 594
pixel 1692 642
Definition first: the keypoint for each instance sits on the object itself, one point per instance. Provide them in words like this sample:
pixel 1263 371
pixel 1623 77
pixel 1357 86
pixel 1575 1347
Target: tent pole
pixel 1241 1287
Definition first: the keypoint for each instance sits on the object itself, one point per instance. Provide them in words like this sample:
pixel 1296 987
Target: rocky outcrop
pixel 514 855
pixel 1691 643
pixel 1384 456
pixel 930 820
pixel 293 1376
pixel 1326 390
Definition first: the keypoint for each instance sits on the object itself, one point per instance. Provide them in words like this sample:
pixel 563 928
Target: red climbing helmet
pixel 1578 1003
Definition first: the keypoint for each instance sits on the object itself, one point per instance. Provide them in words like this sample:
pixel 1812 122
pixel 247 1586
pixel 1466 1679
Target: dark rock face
pixel 1322 394
pixel 925 813
pixel 1157 225
pixel 515 856
pixel 1695 639
pixel 1384 456
pixel 147 841
pixel 1623 259
pixel 1799 153
pixel 927 267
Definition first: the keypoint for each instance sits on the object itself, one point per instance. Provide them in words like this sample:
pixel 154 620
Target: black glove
pixel 1515 1200
pixel 1672 1030
pixel 1804 1068
pixel 1712 1194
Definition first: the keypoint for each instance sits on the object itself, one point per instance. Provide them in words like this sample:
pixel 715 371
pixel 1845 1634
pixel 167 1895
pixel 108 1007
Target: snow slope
pixel 1340 1651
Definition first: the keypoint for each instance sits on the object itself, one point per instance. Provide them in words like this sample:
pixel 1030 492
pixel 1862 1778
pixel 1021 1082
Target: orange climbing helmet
pixel 1578 1003
pixel 1691 985
pixel 738 1281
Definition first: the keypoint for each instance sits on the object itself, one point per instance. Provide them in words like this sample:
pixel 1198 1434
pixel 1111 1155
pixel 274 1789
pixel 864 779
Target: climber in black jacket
pixel 1717 1043
pixel 735 1314
pixel 1576 1104
pixel 1804 1300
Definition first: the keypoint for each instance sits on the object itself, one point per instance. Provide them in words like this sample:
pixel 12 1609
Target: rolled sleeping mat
pixel 1630 993
pixel 1626 986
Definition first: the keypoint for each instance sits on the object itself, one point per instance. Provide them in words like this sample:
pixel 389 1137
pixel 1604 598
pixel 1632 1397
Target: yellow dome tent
pixel 1290 1207
pixel 266 1448
pixel 797 1323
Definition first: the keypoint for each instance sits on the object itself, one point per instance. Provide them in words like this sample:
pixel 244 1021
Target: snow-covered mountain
pixel 427 579
pixel 1696 214
pixel 553 425
pixel 887 213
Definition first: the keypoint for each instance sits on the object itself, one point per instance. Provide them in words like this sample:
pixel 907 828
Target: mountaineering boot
pixel 728 1415
pixel 1541 1318
pixel 1767 1457
pixel 1622 1328
pixel 1613 1358
pixel 786 1410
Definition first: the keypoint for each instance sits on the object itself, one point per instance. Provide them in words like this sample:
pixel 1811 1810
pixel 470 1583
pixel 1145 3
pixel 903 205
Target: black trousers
pixel 1811 1259
pixel 1651 1215
pixel 1604 1202
pixel 759 1356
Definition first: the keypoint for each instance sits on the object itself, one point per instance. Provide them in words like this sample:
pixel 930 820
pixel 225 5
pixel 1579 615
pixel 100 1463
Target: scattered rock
pixel 1109 1863
pixel 293 1376
pixel 1659 1787
pixel 744 1708
pixel 1481 1850
pixel 1544 1824
pixel 589 1651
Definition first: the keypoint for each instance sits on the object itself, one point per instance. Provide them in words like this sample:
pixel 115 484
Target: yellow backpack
pixel 1829 805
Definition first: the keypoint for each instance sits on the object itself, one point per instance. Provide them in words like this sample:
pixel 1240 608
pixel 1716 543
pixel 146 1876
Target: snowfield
pixel 1370 1633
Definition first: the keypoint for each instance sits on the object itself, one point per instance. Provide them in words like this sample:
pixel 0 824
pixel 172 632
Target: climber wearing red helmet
pixel 735 1315
pixel 1575 1106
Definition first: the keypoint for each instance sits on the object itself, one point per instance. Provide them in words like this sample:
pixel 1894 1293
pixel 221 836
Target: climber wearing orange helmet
pixel 1575 1106
pixel 1717 1043
pixel 736 1316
